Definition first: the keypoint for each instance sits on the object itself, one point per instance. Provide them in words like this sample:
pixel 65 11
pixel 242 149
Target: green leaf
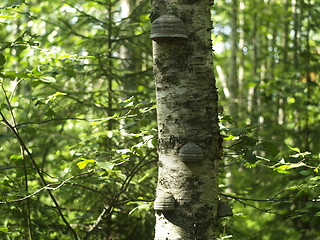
pixel 50 113
pixel 2 60
pixel 14 74
pixel 284 168
pixel 250 157
pixel 130 125
pixel 304 173
pixel 67 56
pixel 270 147
pixel 48 79
pixel 281 170
pixel 106 165
pixel 227 119
pixel 3 229
pixel 15 157
pixel 231 137
pixel 4 106
pixel 238 131
pixel 35 83
pixel 9 17
pixel 295 149
pixel 128 100
pixel 36 71
pixel 84 162
pixel 87 57
pixel 317 178
pixel 54 96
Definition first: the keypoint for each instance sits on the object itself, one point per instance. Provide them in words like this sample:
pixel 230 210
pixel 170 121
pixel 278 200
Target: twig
pixel 22 143
pixel 253 199
pixel 107 210
pixel 48 187
pixel 27 206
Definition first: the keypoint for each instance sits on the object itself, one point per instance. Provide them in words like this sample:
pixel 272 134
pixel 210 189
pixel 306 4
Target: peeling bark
pixel 187 113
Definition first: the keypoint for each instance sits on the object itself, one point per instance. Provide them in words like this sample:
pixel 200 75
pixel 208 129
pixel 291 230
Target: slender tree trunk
pixel 308 82
pixel 130 56
pixel 253 100
pixel 241 46
pixel 285 43
pixel 296 27
pixel 233 74
pixel 25 205
pixel 242 93
pixel 223 81
pixel 187 193
pixel 110 78
pixel 285 60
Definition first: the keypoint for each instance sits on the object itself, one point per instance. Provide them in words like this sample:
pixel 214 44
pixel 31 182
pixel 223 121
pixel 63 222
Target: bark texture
pixel 187 114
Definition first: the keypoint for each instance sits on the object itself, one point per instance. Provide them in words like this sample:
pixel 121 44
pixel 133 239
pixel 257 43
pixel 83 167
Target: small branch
pixel 136 200
pixel 48 187
pixel 107 210
pixel 23 145
pixel 242 199
pixel 252 199
pixel 27 207
pixel 63 119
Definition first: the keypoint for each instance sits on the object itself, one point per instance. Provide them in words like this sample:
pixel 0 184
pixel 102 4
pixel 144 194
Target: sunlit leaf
pixel 54 96
pixel 37 71
pixel 87 57
pixel 15 157
pixel 67 56
pixel 84 163
pixel 48 79
pixel 9 17
pixel 294 149
pixel 3 229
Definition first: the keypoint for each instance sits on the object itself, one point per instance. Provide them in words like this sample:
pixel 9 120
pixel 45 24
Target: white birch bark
pixel 187 113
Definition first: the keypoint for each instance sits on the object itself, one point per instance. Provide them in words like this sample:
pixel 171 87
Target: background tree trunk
pixel 187 124
pixel 233 73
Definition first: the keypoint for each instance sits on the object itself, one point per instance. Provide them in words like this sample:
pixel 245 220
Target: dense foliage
pixel 78 121
pixel 269 84
pixel 78 141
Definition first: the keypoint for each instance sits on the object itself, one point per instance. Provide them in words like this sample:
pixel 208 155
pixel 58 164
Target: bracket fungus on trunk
pixel 190 153
pixel 164 202
pixel 224 210
pixel 168 28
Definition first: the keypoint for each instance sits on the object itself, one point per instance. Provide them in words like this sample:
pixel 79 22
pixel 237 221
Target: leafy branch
pixel 25 149
pixel 57 185
pixel 107 210
pixel 244 200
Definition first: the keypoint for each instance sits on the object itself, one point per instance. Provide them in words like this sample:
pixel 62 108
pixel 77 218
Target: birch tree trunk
pixel 189 149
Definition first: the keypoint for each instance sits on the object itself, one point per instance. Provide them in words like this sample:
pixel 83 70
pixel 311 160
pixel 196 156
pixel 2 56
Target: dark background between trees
pixel 78 121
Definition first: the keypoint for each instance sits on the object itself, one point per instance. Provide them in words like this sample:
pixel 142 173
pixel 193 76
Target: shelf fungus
pixel 168 28
pixel 190 153
pixel 164 202
pixel 224 210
